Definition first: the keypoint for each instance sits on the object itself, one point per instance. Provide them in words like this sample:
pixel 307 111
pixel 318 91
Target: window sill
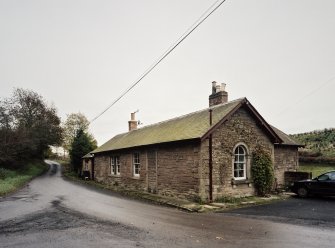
pixel 113 175
pixel 240 181
pixel 136 177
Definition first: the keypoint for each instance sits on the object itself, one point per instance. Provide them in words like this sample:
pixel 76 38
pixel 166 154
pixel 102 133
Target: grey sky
pixel 81 55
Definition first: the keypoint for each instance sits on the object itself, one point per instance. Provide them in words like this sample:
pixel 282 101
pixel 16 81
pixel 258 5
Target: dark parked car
pixel 321 185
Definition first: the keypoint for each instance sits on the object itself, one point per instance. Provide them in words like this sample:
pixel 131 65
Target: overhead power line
pixel 199 21
pixel 330 80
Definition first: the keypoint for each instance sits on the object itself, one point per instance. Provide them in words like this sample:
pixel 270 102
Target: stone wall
pixel 286 158
pixel 177 173
pixel 170 170
pixel 293 176
pixel 240 128
pixel 126 178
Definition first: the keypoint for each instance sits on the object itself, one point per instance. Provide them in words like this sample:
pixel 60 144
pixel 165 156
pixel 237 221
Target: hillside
pixel 319 145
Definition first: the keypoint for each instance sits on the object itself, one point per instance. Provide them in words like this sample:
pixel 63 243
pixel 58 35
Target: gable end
pixel 259 119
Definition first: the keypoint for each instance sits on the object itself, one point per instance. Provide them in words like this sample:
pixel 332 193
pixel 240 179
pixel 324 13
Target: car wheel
pixel 302 192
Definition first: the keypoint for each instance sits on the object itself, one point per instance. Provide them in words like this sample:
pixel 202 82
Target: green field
pixel 316 168
pixel 11 180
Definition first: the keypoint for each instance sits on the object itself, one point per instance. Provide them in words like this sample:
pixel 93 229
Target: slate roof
pixel 187 127
pixel 190 126
pixel 287 140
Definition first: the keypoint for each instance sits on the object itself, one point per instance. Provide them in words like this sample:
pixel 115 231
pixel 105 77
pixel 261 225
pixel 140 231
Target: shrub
pixel 262 171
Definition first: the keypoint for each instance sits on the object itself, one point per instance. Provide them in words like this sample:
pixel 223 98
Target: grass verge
pixel 11 181
pixel 316 168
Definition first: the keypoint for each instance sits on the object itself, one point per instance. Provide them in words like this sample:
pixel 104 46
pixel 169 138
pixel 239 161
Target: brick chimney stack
pixel 219 95
pixel 132 123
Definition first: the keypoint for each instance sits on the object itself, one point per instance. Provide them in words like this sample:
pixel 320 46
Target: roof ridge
pixel 185 115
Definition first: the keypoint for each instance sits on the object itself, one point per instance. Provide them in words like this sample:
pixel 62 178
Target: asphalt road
pixel 317 211
pixel 53 212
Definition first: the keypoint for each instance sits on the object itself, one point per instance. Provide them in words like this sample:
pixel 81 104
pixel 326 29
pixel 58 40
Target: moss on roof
pixel 287 140
pixel 190 126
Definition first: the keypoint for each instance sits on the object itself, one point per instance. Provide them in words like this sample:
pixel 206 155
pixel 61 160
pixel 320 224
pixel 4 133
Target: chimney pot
pixel 223 87
pixel 219 94
pixel 213 87
pixel 132 124
pixel 132 116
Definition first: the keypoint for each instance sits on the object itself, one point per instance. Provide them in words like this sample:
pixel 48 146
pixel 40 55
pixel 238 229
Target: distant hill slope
pixel 319 145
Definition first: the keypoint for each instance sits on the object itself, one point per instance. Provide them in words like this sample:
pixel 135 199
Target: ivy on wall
pixel 262 171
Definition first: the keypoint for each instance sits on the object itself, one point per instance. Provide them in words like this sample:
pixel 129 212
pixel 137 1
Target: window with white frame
pixel 115 165
pixel 240 162
pixel 136 164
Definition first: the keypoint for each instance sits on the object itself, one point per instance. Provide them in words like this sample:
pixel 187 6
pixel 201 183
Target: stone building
pixel 202 155
pixel 87 171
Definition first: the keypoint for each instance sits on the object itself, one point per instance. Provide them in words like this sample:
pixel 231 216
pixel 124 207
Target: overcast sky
pixel 81 55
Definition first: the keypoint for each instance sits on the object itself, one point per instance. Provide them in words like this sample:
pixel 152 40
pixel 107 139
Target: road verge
pixel 13 180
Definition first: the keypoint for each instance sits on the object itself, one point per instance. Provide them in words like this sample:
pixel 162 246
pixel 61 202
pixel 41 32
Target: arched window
pixel 240 162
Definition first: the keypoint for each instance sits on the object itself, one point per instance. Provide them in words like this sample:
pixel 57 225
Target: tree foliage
pixel 318 141
pixel 74 122
pixel 28 126
pixel 81 145
pixel 262 171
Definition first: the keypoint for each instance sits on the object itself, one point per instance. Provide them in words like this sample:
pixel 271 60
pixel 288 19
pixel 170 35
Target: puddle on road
pixel 21 197
pixel 60 218
pixel 59 227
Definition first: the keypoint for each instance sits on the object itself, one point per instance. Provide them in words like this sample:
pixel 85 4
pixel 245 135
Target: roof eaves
pixel 88 155
pixel 293 145
pixel 264 123
pixel 146 145
pixel 287 140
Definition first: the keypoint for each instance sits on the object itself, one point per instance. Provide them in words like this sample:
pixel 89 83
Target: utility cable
pixel 200 20
pixel 308 94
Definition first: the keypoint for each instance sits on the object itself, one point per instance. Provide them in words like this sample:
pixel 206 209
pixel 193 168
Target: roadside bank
pixel 13 180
